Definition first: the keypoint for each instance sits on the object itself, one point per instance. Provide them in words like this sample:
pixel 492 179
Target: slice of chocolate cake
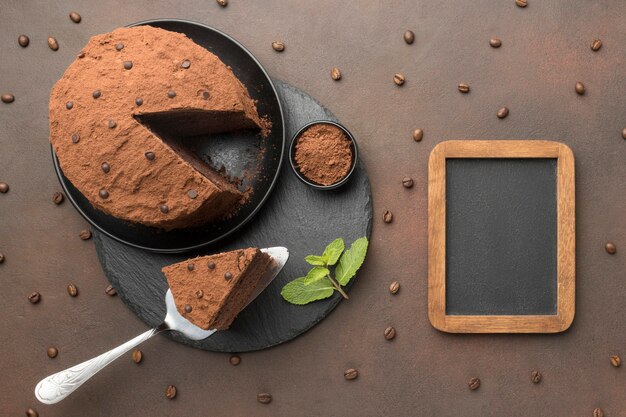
pixel 210 291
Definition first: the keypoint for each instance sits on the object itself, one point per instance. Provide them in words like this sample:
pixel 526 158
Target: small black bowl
pixel 301 177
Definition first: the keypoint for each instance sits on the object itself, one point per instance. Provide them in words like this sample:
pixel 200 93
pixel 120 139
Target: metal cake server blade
pixel 56 387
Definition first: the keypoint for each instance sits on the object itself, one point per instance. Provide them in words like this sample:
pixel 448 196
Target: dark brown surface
pixel 545 51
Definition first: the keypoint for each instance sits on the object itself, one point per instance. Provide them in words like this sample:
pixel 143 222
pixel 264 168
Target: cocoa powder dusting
pixel 323 154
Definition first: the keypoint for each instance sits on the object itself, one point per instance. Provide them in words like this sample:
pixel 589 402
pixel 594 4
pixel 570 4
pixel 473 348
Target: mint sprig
pixel 318 282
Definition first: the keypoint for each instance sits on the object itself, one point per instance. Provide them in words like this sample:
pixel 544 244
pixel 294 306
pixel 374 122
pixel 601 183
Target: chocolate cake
pixel 119 106
pixel 210 291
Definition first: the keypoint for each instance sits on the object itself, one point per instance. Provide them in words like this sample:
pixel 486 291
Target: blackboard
pixel 501 236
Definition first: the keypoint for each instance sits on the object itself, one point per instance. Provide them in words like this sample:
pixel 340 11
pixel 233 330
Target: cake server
pixel 56 387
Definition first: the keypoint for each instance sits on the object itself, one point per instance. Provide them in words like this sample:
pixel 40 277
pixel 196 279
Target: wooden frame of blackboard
pixel 437 237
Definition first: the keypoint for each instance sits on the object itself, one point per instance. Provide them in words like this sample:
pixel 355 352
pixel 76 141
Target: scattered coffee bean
pixel 104 194
pixel 128 64
pixel 464 88
pixel 407 182
pixel 535 377
pixel 23 41
pixel 119 46
pixel 188 308
pixel 278 46
pixel 85 234
pixel 112 124
pixel 69 105
pixel 53 43
pixel 192 194
pixel 394 287
pixel 211 265
pixel 598 412
pixel 1 258
pixel 596 45
pixel 150 156
pixel 170 392
pixel 350 374
pixel 335 74
pixel 7 98
pixel 105 167
pixel 138 101
pixel 110 291
pixel 171 94
pixel 502 113
pixel 191 266
pixel 96 94
pixel 398 79
pixel 390 333
pixel 409 37
pixel 264 398
pixel 31 413
pixel 616 361
pixel 495 42
pixel 34 297
pixel 75 17
pixel 75 138
pixel 234 360
pixel 387 216
pixel 72 290
pixel 137 356
pixel 228 276
pixel 418 134
pixel 58 197
pixel 610 248
pixel 4 187
pixel 164 208
pixel 580 88
pixel 624 133
pixel 199 294
pixel 222 3
pixel 521 3
pixel 52 352
pixel 186 64
pixel 473 384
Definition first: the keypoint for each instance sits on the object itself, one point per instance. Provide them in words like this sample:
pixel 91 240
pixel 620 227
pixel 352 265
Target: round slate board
pixel 296 216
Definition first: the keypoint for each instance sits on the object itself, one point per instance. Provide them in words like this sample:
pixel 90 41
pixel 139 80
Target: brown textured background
pixel 422 372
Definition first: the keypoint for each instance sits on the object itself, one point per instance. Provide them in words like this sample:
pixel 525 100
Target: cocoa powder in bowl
pixel 323 154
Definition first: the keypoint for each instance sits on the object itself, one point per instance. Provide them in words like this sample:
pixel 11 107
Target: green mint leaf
pixel 296 292
pixel 334 251
pixel 316 260
pixel 351 261
pixel 315 274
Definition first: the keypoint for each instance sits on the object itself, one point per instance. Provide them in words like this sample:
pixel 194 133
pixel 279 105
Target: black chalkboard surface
pixel 501 236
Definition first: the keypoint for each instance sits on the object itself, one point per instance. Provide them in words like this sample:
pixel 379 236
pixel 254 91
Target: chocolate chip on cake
pixel 164 208
pixel 211 265
pixel 149 156
pixel 96 94
pixel 112 124
pixel 186 64
pixel 191 266
pixel 138 101
pixel 192 194
pixel 188 308
pixel 206 95
pixel 69 105
pixel 75 137
pixel 81 54
pixel 199 294
pixel 228 276
pixel 171 94
pixel 119 46
pixel 105 167
pixel 128 64
pixel 104 194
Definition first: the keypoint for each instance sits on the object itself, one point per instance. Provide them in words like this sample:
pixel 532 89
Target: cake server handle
pixel 56 387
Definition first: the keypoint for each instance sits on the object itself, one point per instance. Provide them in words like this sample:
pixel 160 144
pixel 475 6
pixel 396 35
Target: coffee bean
pixel 409 37
pixel 164 208
pixel 137 356
pixel 407 182
pixel 105 167
pixel 85 234
pixel 96 94
pixel 119 46
pixel 75 138
pixel 473 384
pixel 69 105
pixel 464 88
pixel 52 352
pixel 521 3
pixel 278 46
pixel 228 276
pixel 199 294
pixel 186 64
pixel 53 43
pixel 31 413
pixel 398 79
pixel 171 94
pixel 211 265
pixel 580 88
pixel 192 194
pixel 23 41
pixel 72 290
pixel 616 361
pixel 110 291
pixel 335 74
pixel 394 287
pixel 598 412
pixel 1 258
pixel 222 3
pixel 58 197
pixel 610 248
pixel 7 98
pixel 418 134
pixel 104 194
pixel 387 216
pixel 128 64
pixel 535 377
pixel 191 266
pixel 264 398
pixel 350 374
pixel 150 156
pixel 4 187
pixel 234 360
pixel 495 42
pixel 170 392
pixel 502 113
pixel 624 133
pixel 34 297
pixel 138 101
pixel 75 17
pixel 596 45
pixel 112 124
pixel 390 333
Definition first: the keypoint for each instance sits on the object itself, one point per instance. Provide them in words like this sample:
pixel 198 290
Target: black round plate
pixel 238 153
